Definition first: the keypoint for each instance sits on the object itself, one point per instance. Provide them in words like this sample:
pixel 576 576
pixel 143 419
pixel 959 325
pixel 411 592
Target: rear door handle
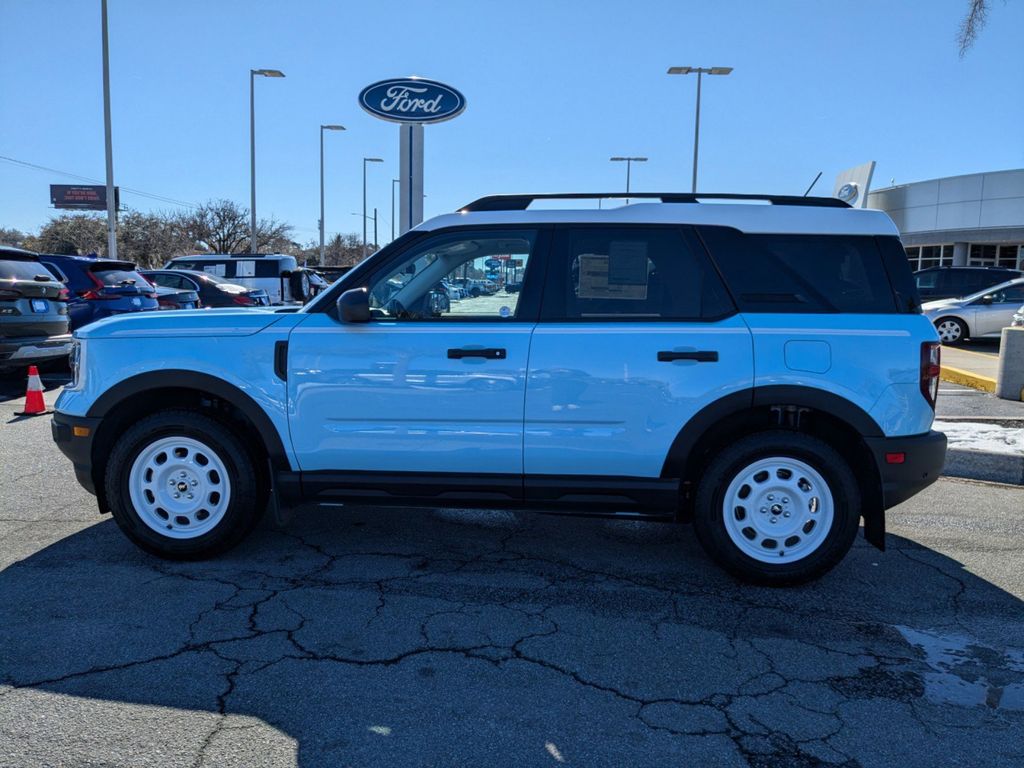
pixel 490 353
pixel 702 356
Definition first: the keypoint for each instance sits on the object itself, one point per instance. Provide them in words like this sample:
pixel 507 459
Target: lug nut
pixel 771 497
pixel 181 474
pixel 192 497
pixel 784 514
pixel 195 483
pixel 171 481
pixel 177 495
pixel 764 510
pixel 773 520
pixel 785 499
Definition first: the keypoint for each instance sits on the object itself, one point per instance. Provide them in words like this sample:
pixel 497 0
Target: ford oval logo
pixel 412 100
pixel 848 192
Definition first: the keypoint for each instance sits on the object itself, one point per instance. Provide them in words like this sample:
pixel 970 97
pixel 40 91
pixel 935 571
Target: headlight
pixel 75 363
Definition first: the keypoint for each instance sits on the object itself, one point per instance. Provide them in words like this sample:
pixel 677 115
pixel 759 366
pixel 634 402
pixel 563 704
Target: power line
pixel 130 190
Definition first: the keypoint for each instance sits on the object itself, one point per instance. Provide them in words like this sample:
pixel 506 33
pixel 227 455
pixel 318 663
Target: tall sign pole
pixel 411 102
pixel 108 143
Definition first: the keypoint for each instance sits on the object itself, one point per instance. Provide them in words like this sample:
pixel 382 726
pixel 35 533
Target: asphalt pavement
pixel 369 637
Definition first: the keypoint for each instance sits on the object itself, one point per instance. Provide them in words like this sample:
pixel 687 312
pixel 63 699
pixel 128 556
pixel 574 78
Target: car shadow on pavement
pixel 399 637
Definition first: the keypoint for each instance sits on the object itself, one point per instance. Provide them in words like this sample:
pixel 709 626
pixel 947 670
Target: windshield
pixel 22 270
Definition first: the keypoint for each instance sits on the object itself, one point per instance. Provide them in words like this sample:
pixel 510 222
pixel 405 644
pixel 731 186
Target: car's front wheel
pixel 182 485
pixel 777 508
pixel 951 330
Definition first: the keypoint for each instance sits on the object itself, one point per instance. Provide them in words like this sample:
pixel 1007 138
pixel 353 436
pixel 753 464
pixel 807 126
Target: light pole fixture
pixel 252 148
pixel 108 140
pixel 629 164
pixel 365 161
pixel 696 129
pixel 393 182
pixel 322 129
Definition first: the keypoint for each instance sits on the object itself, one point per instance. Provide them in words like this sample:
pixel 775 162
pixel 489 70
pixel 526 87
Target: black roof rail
pixel 522 202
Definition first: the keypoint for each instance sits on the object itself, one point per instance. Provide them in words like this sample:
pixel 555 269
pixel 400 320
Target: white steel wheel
pixel 950 330
pixel 778 510
pixel 179 487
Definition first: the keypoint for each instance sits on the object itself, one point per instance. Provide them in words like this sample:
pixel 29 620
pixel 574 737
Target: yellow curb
pixel 967 379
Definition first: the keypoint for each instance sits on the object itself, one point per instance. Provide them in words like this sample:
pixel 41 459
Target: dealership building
pixel 970 220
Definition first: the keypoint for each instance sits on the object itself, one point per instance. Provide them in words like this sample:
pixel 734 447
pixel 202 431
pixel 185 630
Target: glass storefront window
pixel 1009 256
pixel 913 256
pixel 982 255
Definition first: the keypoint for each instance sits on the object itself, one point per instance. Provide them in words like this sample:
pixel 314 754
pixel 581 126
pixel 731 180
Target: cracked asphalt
pixel 366 637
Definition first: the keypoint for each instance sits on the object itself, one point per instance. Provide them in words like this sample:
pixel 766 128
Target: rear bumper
pixel 77 447
pixel 33 349
pixel 923 459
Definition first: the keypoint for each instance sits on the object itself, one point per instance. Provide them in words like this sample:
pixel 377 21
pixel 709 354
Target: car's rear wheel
pixel 777 508
pixel 951 330
pixel 182 485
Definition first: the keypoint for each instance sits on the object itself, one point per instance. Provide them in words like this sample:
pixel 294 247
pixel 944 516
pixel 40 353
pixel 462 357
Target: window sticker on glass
pixel 214 269
pixel 594 280
pixel 627 263
pixel 245 268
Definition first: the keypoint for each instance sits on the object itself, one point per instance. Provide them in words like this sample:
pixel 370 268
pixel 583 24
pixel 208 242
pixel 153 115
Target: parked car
pixel 100 288
pixel 33 312
pixel 278 274
pixel 1018 318
pixel 212 291
pixel 174 298
pixel 981 315
pixel 756 370
pixel 937 283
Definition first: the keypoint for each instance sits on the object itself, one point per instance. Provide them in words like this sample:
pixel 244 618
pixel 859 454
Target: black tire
pixel 299 284
pixel 709 522
pixel 247 500
pixel 956 326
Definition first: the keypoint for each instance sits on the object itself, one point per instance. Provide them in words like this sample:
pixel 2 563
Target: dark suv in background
pixel 953 282
pixel 33 312
pixel 101 288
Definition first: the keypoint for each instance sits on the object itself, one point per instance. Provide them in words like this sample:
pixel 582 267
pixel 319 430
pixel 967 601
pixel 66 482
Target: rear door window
pixel 802 273
pixel 632 273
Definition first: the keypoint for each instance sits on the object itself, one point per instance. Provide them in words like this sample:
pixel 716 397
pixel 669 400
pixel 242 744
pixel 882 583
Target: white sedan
pixel 982 314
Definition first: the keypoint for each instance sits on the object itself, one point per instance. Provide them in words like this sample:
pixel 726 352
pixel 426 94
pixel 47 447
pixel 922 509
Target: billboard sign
pixel 83 197
pixel 412 100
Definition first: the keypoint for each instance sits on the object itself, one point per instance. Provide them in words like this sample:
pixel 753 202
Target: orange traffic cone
pixel 34 404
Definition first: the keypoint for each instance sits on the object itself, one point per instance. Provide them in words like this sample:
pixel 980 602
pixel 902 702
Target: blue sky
pixel 553 89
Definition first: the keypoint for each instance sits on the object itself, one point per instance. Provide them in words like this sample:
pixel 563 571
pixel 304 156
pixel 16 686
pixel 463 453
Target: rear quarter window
pixel 803 273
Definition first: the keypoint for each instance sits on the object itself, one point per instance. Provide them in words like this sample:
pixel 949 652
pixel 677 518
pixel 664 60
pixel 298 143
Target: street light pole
pixel 393 182
pixel 252 148
pixel 108 143
pixel 629 163
pixel 322 129
pixel 365 161
pixel 700 71
pixel 375 227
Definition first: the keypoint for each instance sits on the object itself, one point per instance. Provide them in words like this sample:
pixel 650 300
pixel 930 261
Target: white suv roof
pixel 747 213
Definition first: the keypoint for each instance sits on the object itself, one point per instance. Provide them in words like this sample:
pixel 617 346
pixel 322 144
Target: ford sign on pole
pixel 412 100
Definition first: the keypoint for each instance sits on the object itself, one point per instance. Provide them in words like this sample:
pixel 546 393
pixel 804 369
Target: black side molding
pixel 281 360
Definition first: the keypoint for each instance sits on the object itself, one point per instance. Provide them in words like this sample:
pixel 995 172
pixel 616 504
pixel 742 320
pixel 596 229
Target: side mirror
pixel 354 306
pixel 987 298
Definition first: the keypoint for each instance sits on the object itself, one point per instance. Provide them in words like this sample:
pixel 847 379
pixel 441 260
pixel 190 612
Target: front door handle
pixel 702 356
pixel 490 353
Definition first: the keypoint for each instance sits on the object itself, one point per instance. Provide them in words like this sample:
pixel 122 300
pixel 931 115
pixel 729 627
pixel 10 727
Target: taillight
pixel 63 295
pixel 930 369
pixel 96 295
pixel 245 301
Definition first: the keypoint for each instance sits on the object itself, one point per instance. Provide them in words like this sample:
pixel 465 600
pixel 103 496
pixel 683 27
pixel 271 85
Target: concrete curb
pixel 967 379
pixel 981 465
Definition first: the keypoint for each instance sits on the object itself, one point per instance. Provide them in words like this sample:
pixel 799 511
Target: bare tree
pixel 972 24
pixel 222 226
pixel 71 233
pixel 149 240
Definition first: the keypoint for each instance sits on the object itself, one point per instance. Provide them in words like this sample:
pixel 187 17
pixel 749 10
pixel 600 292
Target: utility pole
pixel 108 143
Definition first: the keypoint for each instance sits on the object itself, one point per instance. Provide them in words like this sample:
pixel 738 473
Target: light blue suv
pixel 760 369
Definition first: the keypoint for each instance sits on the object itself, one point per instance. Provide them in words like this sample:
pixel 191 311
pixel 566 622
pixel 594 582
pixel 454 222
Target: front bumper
pixel 923 457
pixel 76 444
